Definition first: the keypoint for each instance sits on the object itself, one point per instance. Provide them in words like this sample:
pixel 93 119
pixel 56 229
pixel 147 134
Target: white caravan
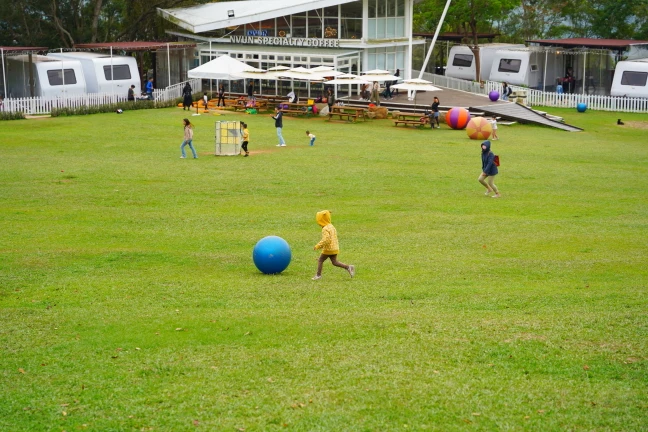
pixel 100 69
pixel 631 79
pixel 461 60
pixel 50 77
pixel 526 67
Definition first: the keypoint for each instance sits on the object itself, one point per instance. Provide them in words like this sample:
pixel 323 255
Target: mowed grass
pixel 129 300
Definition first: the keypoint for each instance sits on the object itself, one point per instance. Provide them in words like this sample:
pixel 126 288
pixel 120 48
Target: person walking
pixel 221 95
pixel 434 115
pixel 493 122
pixel 330 99
pixel 329 245
pixel 375 93
pixel 188 139
pixel 187 97
pixel 149 89
pixel 489 170
pixel 278 118
pixel 250 90
pixel 246 138
pixel 506 91
pixel 396 74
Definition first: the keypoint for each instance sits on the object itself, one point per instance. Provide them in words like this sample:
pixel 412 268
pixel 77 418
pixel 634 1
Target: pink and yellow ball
pixel 458 118
pixel 479 129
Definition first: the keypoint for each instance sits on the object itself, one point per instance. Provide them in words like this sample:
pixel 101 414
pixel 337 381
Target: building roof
pixel 589 43
pixel 456 37
pixel 21 50
pixel 214 16
pixel 136 46
pixel 279 50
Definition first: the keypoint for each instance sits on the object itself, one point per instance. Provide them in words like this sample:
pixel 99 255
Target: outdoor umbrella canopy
pixel 222 68
pixel 348 79
pixel 379 75
pixel 415 85
pixel 260 74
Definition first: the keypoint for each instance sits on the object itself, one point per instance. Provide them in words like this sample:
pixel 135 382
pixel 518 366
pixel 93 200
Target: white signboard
pixel 286 41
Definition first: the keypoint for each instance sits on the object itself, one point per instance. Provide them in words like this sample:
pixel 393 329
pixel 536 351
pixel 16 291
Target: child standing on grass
pixel 246 137
pixel 312 138
pixel 188 139
pixel 489 170
pixel 493 123
pixel 329 245
pixel 205 100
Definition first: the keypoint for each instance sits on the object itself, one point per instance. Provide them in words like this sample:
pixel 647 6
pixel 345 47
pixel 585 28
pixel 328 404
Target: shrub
pixel 8 115
pixel 126 106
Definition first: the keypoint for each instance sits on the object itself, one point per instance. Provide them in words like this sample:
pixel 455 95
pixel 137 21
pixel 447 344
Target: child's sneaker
pixel 317 277
pixel 351 270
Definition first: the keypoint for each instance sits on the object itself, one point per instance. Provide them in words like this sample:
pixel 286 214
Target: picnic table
pixel 352 114
pixel 412 119
pixel 295 108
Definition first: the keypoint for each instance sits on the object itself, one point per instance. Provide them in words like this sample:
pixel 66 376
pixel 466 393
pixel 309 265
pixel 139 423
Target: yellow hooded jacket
pixel 329 243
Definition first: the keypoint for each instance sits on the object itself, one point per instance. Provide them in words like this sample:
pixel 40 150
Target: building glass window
pixel 269 26
pixel 351 23
pixel 388 21
pixel 299 26
pixel 314 25
pixel 331 12
pixel 331 30
pixel 372 9
pixel 283 26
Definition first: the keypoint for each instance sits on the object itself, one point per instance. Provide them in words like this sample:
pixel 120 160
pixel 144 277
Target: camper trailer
pixel 105 74
pixel 461 60
pixel 631 79
pixel 44 77
pixel 526 67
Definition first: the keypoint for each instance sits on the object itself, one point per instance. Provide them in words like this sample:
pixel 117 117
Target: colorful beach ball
pixel 458 118
pixel 479 129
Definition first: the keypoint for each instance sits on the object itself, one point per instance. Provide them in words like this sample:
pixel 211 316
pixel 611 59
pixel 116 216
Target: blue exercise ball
pixel 271 255
pixel 581 107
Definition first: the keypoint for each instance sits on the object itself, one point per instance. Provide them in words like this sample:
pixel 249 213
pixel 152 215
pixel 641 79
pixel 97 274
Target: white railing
pixel 540 98
pixel 41 105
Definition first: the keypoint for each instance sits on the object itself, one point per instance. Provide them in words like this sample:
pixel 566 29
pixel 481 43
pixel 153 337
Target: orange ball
pixel 479 128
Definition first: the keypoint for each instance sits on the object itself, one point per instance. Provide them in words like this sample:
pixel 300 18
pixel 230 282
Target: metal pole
pixel 4 77
pixel 434 38
pixel 584 70
pixel 63 74
pixel 544 80
pixel 410 18
pixel 169 64
pixel 112 76
pixel 210 59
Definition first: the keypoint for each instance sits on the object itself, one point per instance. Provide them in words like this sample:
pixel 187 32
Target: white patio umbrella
pixel 301 74
pixel 379 75
pixel 273 73
pixel 415 85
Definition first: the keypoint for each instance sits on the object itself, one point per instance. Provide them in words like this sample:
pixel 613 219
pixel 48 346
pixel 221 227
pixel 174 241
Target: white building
pixel 350 35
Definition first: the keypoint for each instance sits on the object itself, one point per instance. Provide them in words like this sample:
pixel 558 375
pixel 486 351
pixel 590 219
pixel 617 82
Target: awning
pixel 214 16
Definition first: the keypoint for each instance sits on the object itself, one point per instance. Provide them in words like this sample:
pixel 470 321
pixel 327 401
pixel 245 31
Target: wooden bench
pixel 296 111
pixel 349 117
pixel 411 122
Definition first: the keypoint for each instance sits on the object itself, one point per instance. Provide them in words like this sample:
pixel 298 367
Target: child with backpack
pixel 489 169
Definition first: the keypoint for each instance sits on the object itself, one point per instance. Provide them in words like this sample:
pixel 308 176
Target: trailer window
pixel 462 60
pixel 121 72
pixel 637 79
pixel 54 77
pixel 510 65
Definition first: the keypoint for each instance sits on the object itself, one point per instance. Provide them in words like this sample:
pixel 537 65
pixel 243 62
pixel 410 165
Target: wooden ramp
pixel 523 114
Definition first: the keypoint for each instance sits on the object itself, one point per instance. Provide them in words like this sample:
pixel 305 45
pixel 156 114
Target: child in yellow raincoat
pixel 329 245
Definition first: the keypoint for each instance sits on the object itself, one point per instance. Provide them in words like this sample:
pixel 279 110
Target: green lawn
pixel 129 300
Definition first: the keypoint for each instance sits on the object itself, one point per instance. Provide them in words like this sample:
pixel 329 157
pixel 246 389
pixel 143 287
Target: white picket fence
pixel 540 98
pixel 40 105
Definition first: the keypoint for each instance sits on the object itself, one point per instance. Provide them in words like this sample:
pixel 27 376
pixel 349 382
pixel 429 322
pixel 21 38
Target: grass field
pixel 129 300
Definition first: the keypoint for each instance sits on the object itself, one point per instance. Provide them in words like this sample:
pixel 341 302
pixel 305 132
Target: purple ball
pixel 494 95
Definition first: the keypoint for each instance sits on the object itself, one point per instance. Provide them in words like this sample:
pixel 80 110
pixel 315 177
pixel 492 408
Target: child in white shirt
pixel 493 122
pixel 312 138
